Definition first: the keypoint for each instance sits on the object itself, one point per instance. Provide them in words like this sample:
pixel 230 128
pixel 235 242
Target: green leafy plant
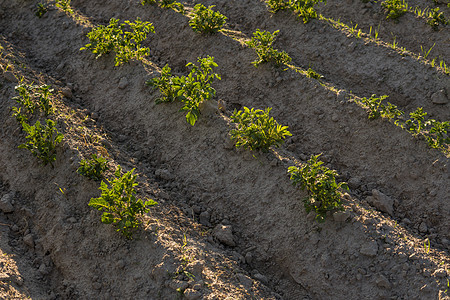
pixel 42 140
pixel 126 44
pixel 378 109
pixel 394 8
pixel 305 9
pixel 168 85
pixel 438 136
pixel 313 74
pixel 172 4
pixel 205 20
pixel 119 204
pixel 321 186
pixel 32 97
pixel 256 130
pixel 262 43
pixel 93 168
pixel 302 8
pixel 64 5
pixel 436 17
pixel 192 90
pixel 417 121
pixel 41 9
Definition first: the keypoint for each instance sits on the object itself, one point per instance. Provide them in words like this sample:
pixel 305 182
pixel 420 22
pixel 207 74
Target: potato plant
pixel 262 43
pixel 93 168
pixel 42 140
pixel 304 9
pixel 64 5
pixel 41 10
pixel 256 130
pixel 436 17
pixel 205 20
pixel 377 109
pixel 30 99
pixel 394 8
pixel 172 4
pixel 320 184
pixel 125 43
pixel 191 90
pixel 119 204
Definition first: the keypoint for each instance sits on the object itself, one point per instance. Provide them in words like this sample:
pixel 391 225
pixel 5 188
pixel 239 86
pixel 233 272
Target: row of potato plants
pixel 195 88
pixel 117 201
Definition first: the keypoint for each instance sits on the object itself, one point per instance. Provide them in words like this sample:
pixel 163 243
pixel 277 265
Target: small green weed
pixel 64 5
pixel 313 74
pixel 41 9
pixel 191 90
pixel 126 44
pixel 394 8
pixel 256 130
pixel 42 140
pixel 262 43
pixel 119 204
pixel 436 17
pixel 93 168
pixel 205 20
pixel 320 183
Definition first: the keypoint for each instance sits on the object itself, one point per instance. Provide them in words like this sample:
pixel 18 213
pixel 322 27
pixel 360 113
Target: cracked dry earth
pixel 229 223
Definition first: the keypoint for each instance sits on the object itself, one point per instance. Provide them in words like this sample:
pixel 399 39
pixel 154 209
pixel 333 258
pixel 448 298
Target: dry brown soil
pixel 229 224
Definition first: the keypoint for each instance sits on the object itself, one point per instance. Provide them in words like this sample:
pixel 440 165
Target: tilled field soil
pixel 229 223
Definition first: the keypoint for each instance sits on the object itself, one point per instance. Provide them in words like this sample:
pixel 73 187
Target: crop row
pixel 254 129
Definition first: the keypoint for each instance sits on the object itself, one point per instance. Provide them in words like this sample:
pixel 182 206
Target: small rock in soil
pixel 249 257
pixel 382 202
pixel 439 97
pixel 244 280
pixel 5 203
pixel 204 218
pixel 262 278
pixel 191 294
pixel 178 285
pixel 164 174
pixel 369 249
pixel 383 282
pixel 28 240
pixel 67 92
pixel 224 234
pixel 423 228
pixel 10 76
pixel 341 216
pixel 354 182
pixel 123 83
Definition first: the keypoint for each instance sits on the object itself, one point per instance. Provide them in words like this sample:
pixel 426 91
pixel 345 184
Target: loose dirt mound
pixel 229 224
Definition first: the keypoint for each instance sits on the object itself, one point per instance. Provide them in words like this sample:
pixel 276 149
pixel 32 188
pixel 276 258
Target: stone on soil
pixel 224 234
pixel 5 203
pixel 369 249
pixel 439 97
pixel 381 202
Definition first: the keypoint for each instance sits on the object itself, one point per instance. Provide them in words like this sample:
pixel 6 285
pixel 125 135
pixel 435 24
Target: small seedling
pixel 172 4
pixel 320 183
pixel 119 204
pixel 256 130
pixel 313 74
pixel 394 8
pixel 262 43
pixel 126 44
pixel 436 17
pixel 205 20
pixel 64 5
pixel 378 109
pixel 41 9
pixel 93 168
pixel 42 140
